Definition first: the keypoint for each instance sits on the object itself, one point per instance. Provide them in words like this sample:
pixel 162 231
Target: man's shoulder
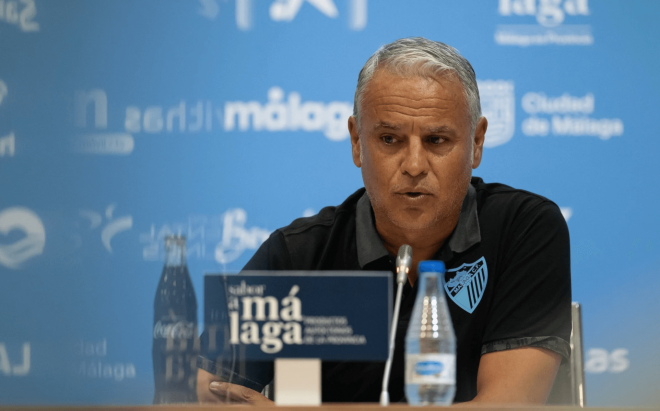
pixel 302 244
pixel 504 197
pixel 501 207
pixel 325 220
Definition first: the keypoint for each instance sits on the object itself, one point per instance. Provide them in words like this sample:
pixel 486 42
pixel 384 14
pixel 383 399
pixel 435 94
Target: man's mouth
pixel 414 194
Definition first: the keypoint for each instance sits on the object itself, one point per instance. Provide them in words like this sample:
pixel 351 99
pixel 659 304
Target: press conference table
pixel 333 407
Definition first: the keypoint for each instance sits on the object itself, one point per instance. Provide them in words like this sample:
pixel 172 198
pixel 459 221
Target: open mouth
pixel 414 194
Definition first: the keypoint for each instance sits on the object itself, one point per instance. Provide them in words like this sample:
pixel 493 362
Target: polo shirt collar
pixel 370 246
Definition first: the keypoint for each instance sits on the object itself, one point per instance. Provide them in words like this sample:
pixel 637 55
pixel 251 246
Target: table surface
pixel 329 407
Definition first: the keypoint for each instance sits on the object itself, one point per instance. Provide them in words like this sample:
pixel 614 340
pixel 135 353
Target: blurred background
pixel 124 121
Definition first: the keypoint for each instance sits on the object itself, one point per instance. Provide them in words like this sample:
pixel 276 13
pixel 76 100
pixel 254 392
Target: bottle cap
pixel 431 266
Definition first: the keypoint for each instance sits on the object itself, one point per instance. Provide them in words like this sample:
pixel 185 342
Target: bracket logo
pixel 32 245
pixel 287 10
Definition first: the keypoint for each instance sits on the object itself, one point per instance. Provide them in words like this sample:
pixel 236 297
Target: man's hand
pixel 211 389
pixel 519 376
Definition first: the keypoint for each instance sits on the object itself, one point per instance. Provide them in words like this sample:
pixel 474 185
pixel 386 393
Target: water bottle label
pixel 431 369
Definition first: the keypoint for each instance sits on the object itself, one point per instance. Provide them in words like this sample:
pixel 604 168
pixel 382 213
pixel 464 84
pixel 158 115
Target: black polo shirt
pixel 508 281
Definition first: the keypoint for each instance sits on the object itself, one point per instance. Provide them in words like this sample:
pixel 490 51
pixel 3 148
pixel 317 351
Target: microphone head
pixel 404 258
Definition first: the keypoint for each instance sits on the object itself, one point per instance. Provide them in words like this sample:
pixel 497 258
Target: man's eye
pixel 436 140
pixel 388 140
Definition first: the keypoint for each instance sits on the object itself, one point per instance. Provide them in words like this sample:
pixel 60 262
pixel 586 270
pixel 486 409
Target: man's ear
pixel 355 141
pixel 479 137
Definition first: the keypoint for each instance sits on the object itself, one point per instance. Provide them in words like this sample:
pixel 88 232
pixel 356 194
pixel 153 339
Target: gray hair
pixel 417 56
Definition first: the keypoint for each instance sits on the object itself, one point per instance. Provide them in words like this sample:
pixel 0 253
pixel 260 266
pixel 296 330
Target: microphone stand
pixel 403 263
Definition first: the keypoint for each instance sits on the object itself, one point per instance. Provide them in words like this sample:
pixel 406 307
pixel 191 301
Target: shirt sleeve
pixel 224 360
pixel 531 303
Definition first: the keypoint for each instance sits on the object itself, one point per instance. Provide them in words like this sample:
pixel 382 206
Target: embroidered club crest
pixel 467 283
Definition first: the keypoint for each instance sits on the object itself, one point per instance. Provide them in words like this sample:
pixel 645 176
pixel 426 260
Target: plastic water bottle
pixel 430 342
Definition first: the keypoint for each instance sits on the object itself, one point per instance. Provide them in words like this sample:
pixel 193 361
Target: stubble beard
pixel 446 208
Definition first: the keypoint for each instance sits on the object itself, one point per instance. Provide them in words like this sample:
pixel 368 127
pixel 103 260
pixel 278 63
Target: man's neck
pixel 425 243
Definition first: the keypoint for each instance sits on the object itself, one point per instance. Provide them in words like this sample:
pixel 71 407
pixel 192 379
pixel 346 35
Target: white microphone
pixel 403 263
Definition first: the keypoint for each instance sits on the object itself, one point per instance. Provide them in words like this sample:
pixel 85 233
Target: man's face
pixel 415 148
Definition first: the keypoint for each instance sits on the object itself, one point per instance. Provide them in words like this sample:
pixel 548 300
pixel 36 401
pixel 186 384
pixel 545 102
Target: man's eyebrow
pixel 382 124
pixel 441 129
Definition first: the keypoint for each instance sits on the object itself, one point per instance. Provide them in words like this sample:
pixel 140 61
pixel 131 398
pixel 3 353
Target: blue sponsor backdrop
pixel 122 121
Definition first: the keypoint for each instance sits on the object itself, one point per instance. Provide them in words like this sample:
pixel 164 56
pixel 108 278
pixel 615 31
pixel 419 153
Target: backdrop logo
pixel 112 227
pixel 498 105
pixel 209 9
pixel 8 145
pixel 17 369
pixel 31 245
pixel 290 115
pixel 236 238
pixel 566 115
pixel 182 117
pixel 95 364
pixel 287 10
pixel 8 142
pixel 3 91
pixel 19 13
pixel 277 114
pixel 599 361
pixel 550 16
pixel 94 104
pixel 225 235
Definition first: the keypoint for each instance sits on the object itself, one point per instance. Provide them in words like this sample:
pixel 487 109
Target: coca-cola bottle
pixel 175 341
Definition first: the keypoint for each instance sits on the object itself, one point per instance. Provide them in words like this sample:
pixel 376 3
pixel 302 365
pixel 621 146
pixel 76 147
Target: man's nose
pixel 415 162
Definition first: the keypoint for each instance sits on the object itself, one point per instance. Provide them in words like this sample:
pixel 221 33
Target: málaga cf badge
pixel 467 283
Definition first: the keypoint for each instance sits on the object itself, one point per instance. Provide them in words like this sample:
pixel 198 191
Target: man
pixel 417 133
